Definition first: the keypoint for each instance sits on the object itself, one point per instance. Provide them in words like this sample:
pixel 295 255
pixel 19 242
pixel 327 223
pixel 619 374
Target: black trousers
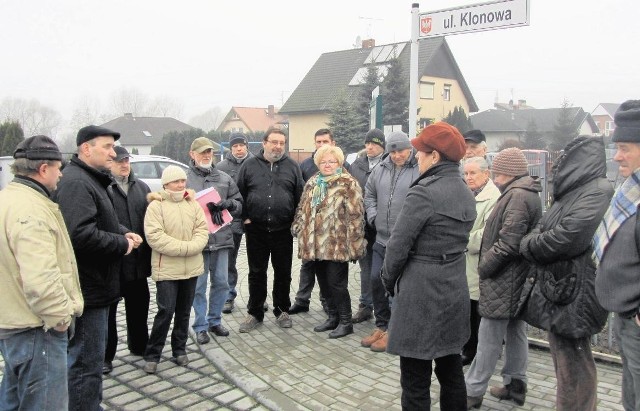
pixel 415 379
pixel 307 282
pixel 261 245
pixel 172 297
pixel 471 346
pixel 136 305
pixel 333 278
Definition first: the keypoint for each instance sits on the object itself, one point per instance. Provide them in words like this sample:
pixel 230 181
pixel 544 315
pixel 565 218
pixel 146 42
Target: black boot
pixel 515 391
pixel 331 324
pixel 344 328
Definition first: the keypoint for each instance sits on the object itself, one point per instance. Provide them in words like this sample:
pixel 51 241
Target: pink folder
pixel 210 195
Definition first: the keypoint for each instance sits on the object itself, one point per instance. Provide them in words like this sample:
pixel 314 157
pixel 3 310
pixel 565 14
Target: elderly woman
pixel 176 230
pixel 424 267
pixel 476 175
pixel 329 225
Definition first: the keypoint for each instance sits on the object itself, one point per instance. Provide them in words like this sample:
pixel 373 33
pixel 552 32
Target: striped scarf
pixel 624 205
pixel 320 189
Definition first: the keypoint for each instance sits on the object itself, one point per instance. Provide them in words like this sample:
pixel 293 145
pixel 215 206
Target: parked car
pixel 148 168
pixel 351 157
pixel 5 171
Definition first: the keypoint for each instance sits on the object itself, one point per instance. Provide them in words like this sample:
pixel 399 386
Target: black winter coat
pixel 231 166
pixel 97 237
pixel 271 192
pixel 504 286
pixel 131 208
pixel 563 299
pixel 360 170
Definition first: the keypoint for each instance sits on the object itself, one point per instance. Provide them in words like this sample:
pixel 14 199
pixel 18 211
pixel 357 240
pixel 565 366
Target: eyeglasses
pixel 330 162
pixel 277 143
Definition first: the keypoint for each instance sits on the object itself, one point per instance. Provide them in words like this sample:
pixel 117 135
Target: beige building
pixel 441 87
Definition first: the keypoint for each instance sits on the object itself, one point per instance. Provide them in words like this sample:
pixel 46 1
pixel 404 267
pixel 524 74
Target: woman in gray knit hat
pixel 503 281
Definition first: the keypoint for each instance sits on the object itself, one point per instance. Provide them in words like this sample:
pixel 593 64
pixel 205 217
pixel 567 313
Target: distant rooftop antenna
pixel 370 21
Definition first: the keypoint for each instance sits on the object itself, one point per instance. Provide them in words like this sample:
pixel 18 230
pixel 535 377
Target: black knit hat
pixel 237 138
pixel 627 120
pixel 90 132
pixel 374 136
pixel 38 148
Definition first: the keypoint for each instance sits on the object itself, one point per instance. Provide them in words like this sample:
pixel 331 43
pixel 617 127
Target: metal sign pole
pixel 413 70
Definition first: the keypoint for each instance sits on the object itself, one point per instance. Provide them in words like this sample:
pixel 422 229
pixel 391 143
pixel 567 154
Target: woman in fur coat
pixel 329 225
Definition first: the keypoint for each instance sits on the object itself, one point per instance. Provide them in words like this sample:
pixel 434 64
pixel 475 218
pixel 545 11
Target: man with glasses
pixel 271 184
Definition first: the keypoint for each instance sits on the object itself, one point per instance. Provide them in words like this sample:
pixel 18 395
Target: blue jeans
pixel 381 307
pixel 365 277
pixel 35 371
pixel 627 334
pixel 174 299
pixel 233 270
pixel 216 267
pixel 86 355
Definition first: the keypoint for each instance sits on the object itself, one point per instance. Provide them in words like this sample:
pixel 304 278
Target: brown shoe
pixel 370 339
pixel 380 345
pixel 515 391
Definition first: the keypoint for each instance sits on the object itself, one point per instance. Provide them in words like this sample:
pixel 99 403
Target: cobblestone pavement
pixel 298 369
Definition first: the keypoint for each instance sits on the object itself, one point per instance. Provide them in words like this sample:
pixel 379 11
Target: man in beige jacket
pixel 39 276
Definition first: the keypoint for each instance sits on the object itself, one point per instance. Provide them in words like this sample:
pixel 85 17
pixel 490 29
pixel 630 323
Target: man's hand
pixel 137 240
pixel 61 328
pixel 131 246
pixel 216 213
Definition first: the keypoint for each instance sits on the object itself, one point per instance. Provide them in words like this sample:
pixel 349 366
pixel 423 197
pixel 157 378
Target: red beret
pixel 443 138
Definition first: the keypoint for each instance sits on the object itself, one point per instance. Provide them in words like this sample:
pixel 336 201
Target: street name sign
pixel 475 17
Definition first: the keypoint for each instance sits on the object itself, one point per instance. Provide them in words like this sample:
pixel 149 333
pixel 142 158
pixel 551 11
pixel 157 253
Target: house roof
pixel 517 120
pixel 606 108
pixel 255 118
pixel 144 130
pixel 333 71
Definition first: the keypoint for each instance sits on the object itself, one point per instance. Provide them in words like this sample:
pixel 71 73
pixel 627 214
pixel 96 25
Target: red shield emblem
pixel 425 25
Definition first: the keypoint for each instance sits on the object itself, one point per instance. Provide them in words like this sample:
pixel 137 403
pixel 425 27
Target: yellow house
pixel 441 86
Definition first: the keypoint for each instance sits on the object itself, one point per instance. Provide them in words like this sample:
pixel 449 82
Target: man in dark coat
pixel 237 154
pixel 503 281
pixel 617 250
pixel 371 156
pixel 271 185
pixel 563 300
pixel 99 243
pixel 130 201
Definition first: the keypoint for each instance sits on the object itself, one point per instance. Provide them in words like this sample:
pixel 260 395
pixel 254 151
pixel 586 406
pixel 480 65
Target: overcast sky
pixel 254 53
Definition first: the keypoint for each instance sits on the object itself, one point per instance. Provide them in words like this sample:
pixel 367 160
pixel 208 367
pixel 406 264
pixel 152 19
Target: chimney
pixel 368 43
pixel 522 102
pixel 270 111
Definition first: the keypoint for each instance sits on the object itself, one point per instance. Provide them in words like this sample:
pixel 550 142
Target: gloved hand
pixel 388 286
pixel 227 204
pixel 216 213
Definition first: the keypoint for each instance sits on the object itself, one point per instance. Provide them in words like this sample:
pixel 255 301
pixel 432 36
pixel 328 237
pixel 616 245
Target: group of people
pixel 453 263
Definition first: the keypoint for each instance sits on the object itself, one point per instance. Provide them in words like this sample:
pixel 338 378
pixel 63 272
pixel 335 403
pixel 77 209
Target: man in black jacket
pixel 130 201
pixel 99 243
pixel 271 185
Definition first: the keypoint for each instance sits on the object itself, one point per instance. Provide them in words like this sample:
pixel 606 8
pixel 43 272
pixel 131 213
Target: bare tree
pixel 87 111
pixel 130 100
pixel 166 106
pixel 209 120
pixel 34 117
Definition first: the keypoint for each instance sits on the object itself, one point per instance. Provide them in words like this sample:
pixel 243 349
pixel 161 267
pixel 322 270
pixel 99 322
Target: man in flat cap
pixel 99 243
pixel 41 291
pixel 130 201
pixel 476 144
pixel 616 247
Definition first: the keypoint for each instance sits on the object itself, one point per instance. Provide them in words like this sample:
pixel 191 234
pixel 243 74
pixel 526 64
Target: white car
pixel 148 168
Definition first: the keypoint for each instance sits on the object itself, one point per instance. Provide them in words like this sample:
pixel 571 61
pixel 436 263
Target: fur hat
pixel 627 120
pixel 237 138
pixel 201 144
pixel 510 162
pixel 443 138
pixel 475 135
pixel 90 132
pixel 397 141
pixel 374 135
pixel 173 173
pixel 38 148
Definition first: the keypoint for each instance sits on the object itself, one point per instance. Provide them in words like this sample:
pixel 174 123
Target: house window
pixel 426 90
pixel 446 93
pixel 235 116
pixel 424 122
pixel 236 129
pixel 609 126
